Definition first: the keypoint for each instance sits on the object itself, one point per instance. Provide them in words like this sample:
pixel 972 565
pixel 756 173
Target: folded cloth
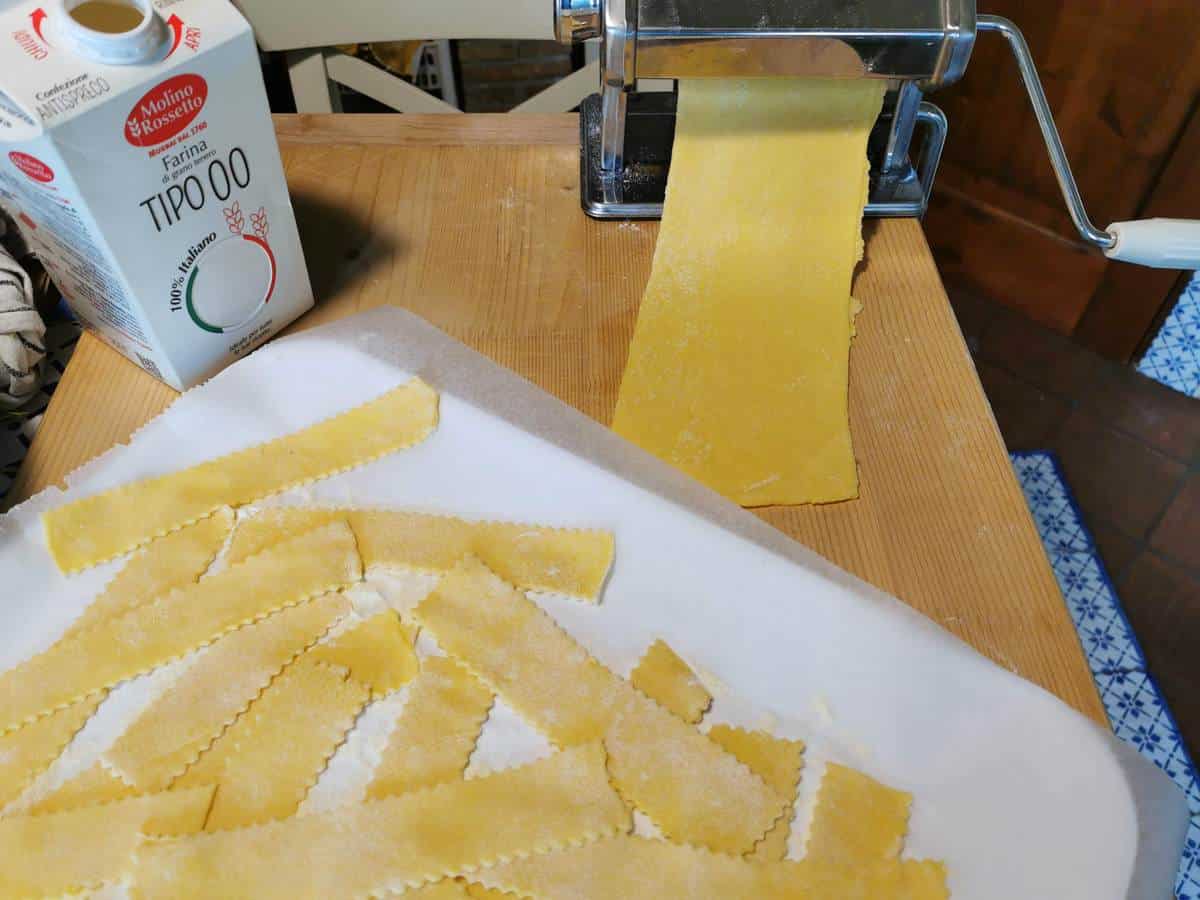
pixel 22 335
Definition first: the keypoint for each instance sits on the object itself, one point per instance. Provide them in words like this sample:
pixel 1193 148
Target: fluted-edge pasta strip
pixel 436 732
pixel 27 752
pixel 176 559
pixel 626 866
pixel 400 842
pixel 94 786
pixel 378 652
pixel 560 560
pixel 857 820
pixel 184 721
pixel 179 559
pixel 690 787
pixel 270 758
pixel 103 526
pixel 446 889
pixel 64 853
pixel 778 762
pixel 665 678
pixel 477 891
pixel 184 619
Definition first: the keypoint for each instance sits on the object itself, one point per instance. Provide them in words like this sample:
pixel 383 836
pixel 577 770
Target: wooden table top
pixel 474 223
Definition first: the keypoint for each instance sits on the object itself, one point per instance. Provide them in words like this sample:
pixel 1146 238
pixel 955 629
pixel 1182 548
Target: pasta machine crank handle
pixel 1161 243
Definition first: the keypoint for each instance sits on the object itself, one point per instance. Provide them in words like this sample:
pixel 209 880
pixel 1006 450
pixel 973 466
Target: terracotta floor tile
pixel 1177 536
pixel 1163 605
pixel 974 313
pixel 1039 356
pixel 1143 408
pixel 1028 417
pixel 1115 478
pixel 1116 548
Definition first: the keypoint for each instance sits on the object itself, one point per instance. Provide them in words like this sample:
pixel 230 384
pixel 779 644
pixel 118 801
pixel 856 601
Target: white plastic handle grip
pixel 1159 243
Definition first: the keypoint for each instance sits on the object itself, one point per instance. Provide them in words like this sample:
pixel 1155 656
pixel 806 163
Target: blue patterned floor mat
pixel 1174 355
pixel 1135 706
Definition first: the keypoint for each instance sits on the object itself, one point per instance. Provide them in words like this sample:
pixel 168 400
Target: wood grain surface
pixel 475 225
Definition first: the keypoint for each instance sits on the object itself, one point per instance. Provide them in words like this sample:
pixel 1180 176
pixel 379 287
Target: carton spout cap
pixel 104 30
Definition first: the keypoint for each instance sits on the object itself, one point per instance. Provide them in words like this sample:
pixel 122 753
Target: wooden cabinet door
pixel 1123 77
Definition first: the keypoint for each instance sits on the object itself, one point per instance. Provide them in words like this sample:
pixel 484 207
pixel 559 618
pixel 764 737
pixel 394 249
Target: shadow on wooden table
pixel 340 246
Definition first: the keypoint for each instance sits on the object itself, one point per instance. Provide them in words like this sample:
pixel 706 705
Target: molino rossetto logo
pixel 166 110
pixel 33 167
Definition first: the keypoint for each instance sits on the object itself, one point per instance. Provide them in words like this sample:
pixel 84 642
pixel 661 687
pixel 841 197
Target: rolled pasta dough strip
pixel 738 370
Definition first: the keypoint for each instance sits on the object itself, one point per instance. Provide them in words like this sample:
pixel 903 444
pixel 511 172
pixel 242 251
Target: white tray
pixel 1020 795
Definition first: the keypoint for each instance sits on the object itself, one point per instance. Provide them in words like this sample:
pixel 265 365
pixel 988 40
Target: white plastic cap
pixel 145 43
pixel 1159 243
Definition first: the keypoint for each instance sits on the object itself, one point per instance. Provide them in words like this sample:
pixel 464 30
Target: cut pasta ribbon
pixel 691 788
pixel 182 620
pixel 665 678
pixel 625 866
pixel 778 763
pixel 27 752
pixel 566 561
pixel 396 842
pixel 92 787
pixel 104 526
pixel 268 760
pixel 378 652
pixel 216 689
pixel 446 889
pixel 436 732
pixel 65 853
pixel 179 558
pixel 857 820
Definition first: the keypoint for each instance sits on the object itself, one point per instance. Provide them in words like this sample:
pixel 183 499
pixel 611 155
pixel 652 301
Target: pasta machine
pixel 915 45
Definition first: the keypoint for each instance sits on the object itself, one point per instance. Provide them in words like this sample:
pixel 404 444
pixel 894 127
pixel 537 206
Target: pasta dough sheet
pixel 563 560
pixel 186 618
pixel 738 370
pixel 369 849
pixel 100 527
pixel 690 787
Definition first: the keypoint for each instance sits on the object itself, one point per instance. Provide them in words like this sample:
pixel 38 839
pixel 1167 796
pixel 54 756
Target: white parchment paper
pixel 1022 797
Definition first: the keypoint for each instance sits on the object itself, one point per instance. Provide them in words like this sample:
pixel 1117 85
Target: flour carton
pixel 138 158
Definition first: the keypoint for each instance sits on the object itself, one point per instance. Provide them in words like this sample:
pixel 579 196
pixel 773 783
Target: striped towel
pixel 22 344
